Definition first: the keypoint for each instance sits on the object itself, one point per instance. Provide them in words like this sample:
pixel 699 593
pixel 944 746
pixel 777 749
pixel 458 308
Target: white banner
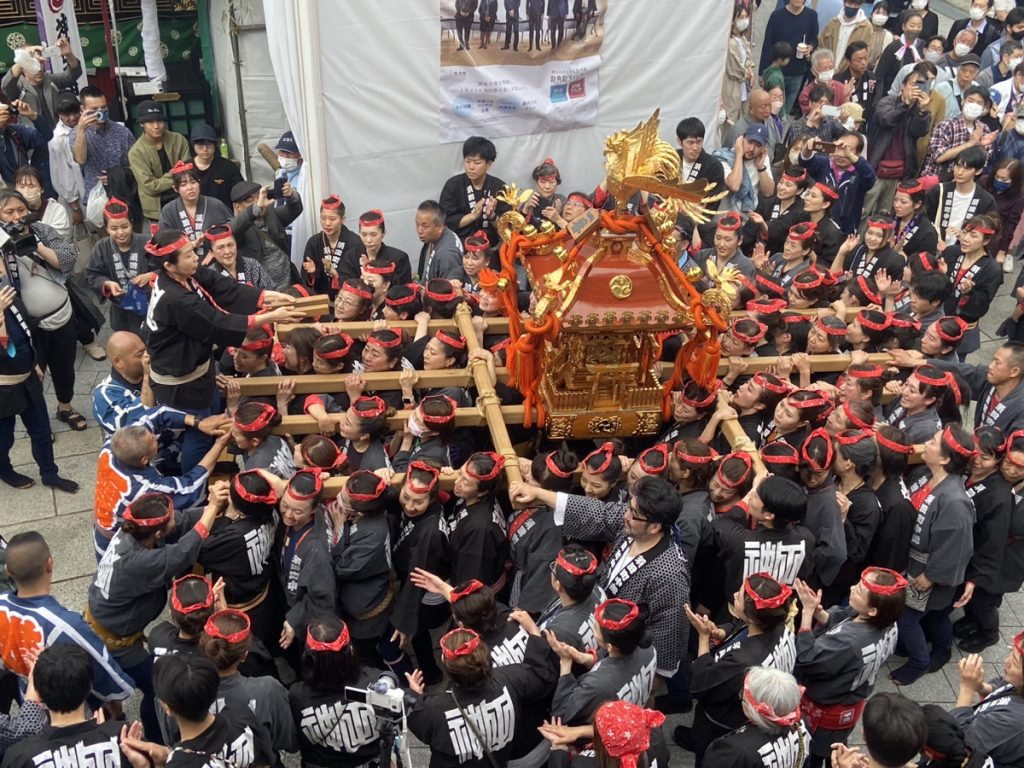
pixel 515 101
pixel 506 73
pixel 56 19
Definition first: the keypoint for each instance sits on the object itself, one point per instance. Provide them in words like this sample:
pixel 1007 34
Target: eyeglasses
pixel 631 511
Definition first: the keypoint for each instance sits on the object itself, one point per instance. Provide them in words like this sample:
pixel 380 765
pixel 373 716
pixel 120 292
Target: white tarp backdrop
pixel 359 83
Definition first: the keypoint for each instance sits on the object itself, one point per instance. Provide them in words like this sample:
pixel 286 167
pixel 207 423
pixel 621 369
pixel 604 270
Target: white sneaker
pixel 95 351
pixel 1008 263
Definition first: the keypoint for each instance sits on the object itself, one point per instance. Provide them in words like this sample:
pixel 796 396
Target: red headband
pixel 422 466
pixel 116 209
pixel 608 451
pixel 605 623
pixel 905 322
pixel 318 484
pixel 762 329
pixel 438 296
pixel 882 589
pixel 871 325
pixel 477 242
pixel 780 458
pixel 830 454
pixel 554 469
pixel 267 413
pixel 331 203
pixel 815 402
pixel 770 285
pixel 474 585
pixel 376 221
pixel 868 373
pixel 873 294
pixel 761 380
pixel 853 436
pixel 339 643
pixel 682 455
pixel 554 174
pixel 768 713
pixel 401 301
pixel 582 200
pixel 456 342
pixel 260 344
pixel 731 222
pixel 960 323
pixel 767 602
pixel 348 287
pixel 795 178
pixel 892 445
pixel 881 224
pixel 827 191
pixel 910 187
pixel 748 463
pixel 388 269
pixel 340 457
pixel 925 378
pixel 464 649
pixel 708 399
pixel 377 406
pixel 1018 643
pixel 499 464
pixel 953 445
pixel 426 418
pixel 568 567
pixel 648 469
pixel 160 252
pixel 181 167
pixel 375 494
pixel 218 232
pixel 149 522
pixel 809 279
pixel 377 341
pixel 979 228
pixel 236 483
pixel 213 630
pixel 766 306
pixel 829 328
pixel 802 231
pixel 853 418
pixel 187 609
pixel 340 352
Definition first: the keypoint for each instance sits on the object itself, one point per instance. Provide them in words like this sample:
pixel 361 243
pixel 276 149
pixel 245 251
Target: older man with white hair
pixel 823 69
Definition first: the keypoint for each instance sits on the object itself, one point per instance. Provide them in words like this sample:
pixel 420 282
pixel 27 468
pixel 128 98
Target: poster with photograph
pixel 517 67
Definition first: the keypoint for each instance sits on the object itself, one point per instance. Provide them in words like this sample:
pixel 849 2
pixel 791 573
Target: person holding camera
pixel 260 228
pixel 97 142
pixel 19 142
pixel 37 263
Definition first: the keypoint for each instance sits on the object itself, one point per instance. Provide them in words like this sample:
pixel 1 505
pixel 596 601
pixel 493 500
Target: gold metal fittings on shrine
pixel 621 287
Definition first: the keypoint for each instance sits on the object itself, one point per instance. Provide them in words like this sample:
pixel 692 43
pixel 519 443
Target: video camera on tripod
pixel 388 702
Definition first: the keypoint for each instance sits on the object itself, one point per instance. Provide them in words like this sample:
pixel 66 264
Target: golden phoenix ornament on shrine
pixel 606 294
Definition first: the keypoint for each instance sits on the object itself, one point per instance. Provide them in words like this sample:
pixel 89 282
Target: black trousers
pixel 55 350
pixel 463 28
pixel 512 31
pixel 983 610
pixel 535 21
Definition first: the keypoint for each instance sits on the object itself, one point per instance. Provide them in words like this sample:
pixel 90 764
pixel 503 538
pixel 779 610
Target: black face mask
pixel 1017 35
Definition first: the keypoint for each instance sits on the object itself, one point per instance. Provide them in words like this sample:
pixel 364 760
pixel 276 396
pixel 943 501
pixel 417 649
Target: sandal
pixel 73 419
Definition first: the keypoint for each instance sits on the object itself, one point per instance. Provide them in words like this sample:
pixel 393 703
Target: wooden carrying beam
pixel 851 313
pixel 335 382
pixel 819 363
pixel 494 325
pixel 313 305
pixel 464 417
pixel 736 437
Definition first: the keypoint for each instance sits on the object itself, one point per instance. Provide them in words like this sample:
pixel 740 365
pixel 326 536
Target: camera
pixel 384 695
pixel 277 191
pixel 13 111
pixel 21 240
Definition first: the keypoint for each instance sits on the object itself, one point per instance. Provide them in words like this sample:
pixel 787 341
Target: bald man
pixel 759 110
pixel 124 396
pixel 35 618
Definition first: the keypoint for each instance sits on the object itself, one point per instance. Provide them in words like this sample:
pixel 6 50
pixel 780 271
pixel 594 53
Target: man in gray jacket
pixel 259 229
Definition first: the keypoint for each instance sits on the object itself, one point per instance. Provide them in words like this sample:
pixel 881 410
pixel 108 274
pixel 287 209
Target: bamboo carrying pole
pixel 494 325
pixel 464 417
pixel 315 383
pixel 819 363
pixel 737 438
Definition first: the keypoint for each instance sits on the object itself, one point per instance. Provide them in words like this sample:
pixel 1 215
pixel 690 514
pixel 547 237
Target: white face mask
pixel 880 19
pixel 1014 63
pixel 961 50
pixel 850 124
pixel 415 427
pixel 1019 126
pixel 972 111
pixel 33 197
pixel 826 76
pixel 287 163
pixel 722 116
pixel 977 14
pixel 933 56
pixel 776 107
pixel 742 24
pixel 919 5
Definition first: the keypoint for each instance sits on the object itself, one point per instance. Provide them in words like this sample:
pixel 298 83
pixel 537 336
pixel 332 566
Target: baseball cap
pixel 757 132
pixel 243 189
pixel 148 111
pixel 287 143
pixel 854 110
pixel 204 132
pixel 970 58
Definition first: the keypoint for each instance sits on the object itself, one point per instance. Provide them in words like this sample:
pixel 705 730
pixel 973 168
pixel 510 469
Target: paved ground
pixel 65 519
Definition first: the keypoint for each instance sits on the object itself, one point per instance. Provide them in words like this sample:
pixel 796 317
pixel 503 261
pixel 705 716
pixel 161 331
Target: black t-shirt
pixel 230 742
pixel 79 744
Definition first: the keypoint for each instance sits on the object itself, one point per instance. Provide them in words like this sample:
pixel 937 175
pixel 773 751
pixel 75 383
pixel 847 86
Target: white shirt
pixel 957 214
pixel 65 173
